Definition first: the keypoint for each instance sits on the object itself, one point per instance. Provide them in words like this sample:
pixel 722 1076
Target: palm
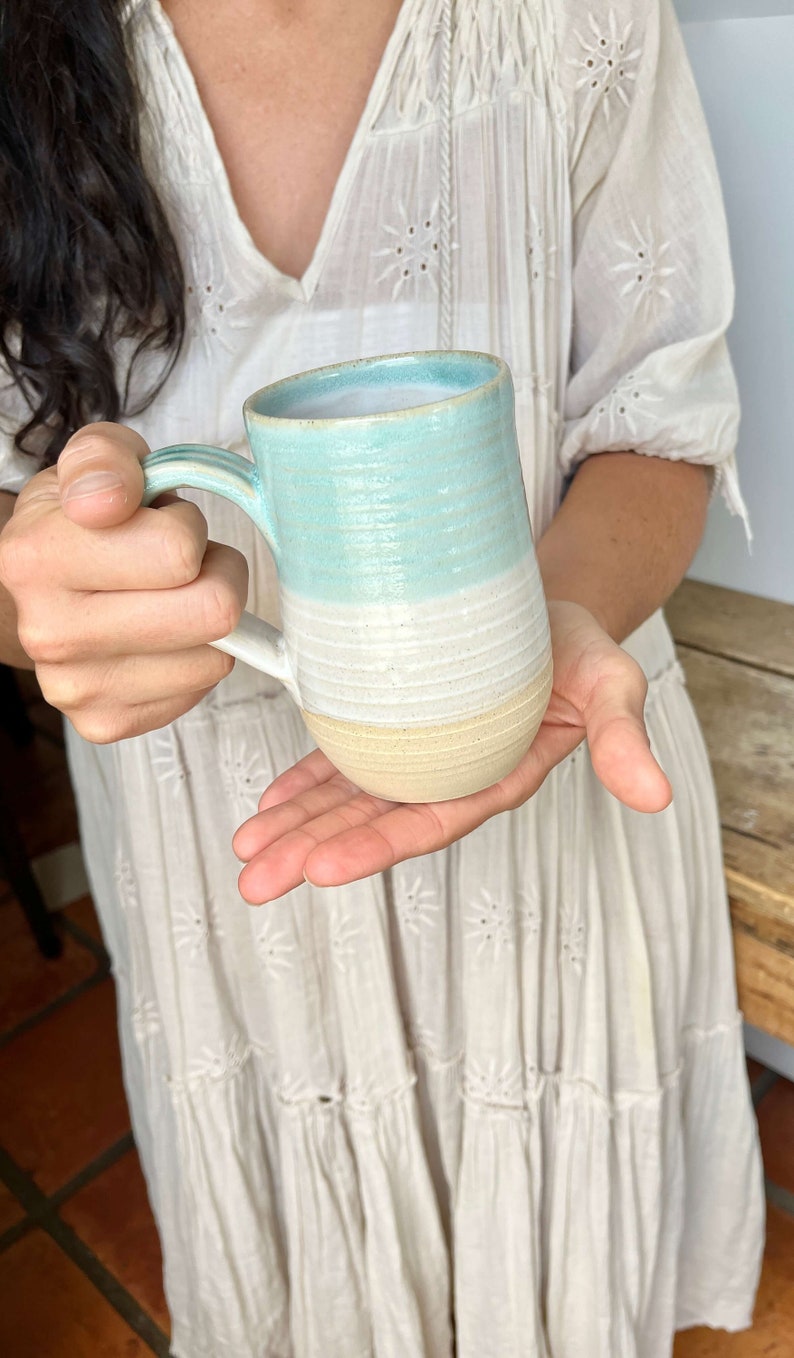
pixel 313 823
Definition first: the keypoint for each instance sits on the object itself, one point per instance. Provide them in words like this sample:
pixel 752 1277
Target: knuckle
pixel 100 727
pixel 64 687
pixel 227 662
pixel 633 676
pixel 222 609
pixel 39 641
pixel 183 551
pixel 219 667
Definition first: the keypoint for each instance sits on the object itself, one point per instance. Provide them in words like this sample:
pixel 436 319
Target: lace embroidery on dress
pixel 167 763
pixel 485 1084
pixel 145 1019
pixel 498 1085
pixel 645 267
pixel 343 935
pixel 191 933
pixel 144 1013
pixel 498 45
pixel 490 921
pixel 417 908
pixel 607 62
pixel 573 937
pixel 412 256
pixel 528 915
pixel 629 400
pixel 274 949
pixel 218 1064
pixel 126 885
pixel 540 252
pixel 244 776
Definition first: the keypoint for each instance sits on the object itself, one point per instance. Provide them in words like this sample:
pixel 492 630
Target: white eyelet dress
pixel 494 1105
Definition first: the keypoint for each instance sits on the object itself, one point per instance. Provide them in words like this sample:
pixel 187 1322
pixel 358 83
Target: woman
pixel 496 1092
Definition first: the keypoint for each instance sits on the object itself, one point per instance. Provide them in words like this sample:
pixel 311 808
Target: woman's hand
pixel 115 603
pixel 314 824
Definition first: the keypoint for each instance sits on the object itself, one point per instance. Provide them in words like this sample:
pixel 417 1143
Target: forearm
pixel 624 536
pixel 11 653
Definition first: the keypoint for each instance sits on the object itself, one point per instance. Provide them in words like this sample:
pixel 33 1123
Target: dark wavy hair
pixel 87 257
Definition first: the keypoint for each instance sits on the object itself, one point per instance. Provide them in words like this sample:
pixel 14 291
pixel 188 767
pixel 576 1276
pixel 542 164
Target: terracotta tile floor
pixel 80 1266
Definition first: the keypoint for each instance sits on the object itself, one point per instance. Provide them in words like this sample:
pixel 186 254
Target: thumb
pixel 619 746
pixel 100 481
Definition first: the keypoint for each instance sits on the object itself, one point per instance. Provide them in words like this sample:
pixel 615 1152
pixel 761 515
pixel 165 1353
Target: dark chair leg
pixel 13 714
pixel 14 861
pixel 15 721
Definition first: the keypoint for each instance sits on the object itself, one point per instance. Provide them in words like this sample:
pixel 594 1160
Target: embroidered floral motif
pixel 145 1019
pixel 127 886
pixel 343 936
pixel 244 778
pixel 219 1064
pixel 213 315
pixel 417 908
pixel 572 940
pixel 501 1085
pixel 426 1039
pixel 646 272
pixel 528 915
pixel 274 949
pixel 412 255
pixel 541 263
pixel 166 761
pixel 626 405
pixel 191 932
pixel 606 62
pixel 491 922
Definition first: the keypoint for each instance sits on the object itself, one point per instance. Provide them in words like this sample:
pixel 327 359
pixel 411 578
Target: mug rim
pixel 443 355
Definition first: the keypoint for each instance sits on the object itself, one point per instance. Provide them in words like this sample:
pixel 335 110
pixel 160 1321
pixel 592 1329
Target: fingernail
pixel 93 483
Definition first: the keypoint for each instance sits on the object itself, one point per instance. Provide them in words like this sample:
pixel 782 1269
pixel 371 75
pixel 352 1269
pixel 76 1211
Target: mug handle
pixel 235 478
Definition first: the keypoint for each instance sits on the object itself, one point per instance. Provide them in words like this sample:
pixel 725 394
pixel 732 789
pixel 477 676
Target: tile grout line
pixel 81 935
pixel 782 1198
pixel 105 1160
pixel 762 1084
pixel 101 973
pixel 42 1214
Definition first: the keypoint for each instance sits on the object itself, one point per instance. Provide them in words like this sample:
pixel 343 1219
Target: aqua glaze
pixel 409 591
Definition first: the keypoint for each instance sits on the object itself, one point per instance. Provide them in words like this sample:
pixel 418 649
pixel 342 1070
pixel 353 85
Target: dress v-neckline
pixel 303 288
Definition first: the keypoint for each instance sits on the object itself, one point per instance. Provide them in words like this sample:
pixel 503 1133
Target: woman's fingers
pixel 104 725
pixel 314 824
pixel 263 829
pixel 618 741
pixel 288 835
pixel 106 624
pixel 133 680
pixel 100 481
pixel 331 834
pixel 313 769
pixel 153 549
pixel 406 831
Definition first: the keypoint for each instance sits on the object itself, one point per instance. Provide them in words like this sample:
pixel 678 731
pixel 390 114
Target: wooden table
pixel 738 654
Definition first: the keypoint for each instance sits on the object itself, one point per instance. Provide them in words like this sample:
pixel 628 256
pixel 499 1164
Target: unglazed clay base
pixel 434 763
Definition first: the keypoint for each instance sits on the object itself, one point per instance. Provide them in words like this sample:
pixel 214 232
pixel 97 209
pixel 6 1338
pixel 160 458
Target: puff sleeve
pixel 652 279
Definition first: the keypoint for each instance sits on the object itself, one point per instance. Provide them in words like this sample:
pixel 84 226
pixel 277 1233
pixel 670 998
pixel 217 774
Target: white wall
pixel 743 57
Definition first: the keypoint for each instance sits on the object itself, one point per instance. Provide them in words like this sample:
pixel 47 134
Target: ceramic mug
pixel 415 634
